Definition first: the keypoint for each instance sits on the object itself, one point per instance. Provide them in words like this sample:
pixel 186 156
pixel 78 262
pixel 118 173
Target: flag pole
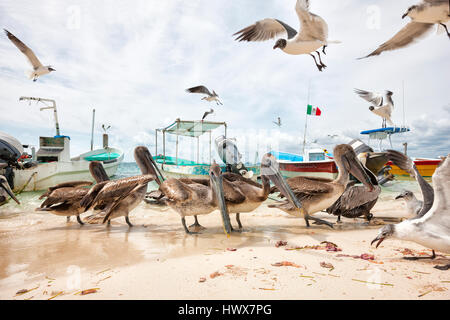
pixel 306 117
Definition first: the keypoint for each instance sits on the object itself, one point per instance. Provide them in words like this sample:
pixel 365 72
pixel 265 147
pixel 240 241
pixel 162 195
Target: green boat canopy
pixel 191 128
pixel 103 156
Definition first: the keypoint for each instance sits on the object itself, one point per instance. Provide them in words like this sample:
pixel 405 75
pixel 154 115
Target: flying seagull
pixel 210 96
pixel 433 229
pixel 312 35
pixel 278 122
pixel 38 68
pixel 424 17
pixel 383 105
pixel 211 111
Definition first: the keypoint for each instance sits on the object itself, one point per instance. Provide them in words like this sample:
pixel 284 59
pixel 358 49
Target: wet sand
pixel 157 260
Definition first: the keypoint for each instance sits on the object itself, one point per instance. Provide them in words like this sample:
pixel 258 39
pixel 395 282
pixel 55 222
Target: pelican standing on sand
pixel 317 194
pixel 433 229
pixel 191 199
pixel 64 199
pixel 38 68
pixel 312 35
pixel 120 197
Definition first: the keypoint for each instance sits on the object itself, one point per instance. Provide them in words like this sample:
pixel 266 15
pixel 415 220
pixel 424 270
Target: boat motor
pixel 230 155
pixel 10 149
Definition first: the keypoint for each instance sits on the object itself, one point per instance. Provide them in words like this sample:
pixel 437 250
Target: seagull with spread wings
pixel 383 105
pixel 204 90
pixel 207 113
pixel 313 33
pixel 38 68
pixel 424 17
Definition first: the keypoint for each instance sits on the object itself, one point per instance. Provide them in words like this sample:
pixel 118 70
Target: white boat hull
pixel 46 175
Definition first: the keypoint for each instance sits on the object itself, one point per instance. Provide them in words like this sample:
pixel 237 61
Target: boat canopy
pixel 191 128
pixel 187 128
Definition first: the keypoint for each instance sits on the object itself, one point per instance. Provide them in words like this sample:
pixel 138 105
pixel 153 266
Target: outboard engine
pixel 10 149
pixel 230 155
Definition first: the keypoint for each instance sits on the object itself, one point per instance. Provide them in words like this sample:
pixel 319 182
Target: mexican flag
pixel 313 111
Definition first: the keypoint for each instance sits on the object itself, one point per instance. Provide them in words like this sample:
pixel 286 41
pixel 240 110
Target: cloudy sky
pixel 132 60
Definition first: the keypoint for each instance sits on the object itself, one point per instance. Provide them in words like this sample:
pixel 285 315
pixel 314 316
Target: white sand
pixel 157 260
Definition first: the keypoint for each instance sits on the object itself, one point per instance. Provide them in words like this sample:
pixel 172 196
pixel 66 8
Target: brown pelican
pixel 119 197
pixel 241 194
pixel 192 197
pixel 356 201
pixel 245 195
pixel 317 194
pixel 432 230
pixel 5 191
pixel 64 199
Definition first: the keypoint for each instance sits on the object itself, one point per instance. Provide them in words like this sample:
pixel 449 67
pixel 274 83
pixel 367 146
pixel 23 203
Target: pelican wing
pixel 64 195
pixel 264 30
pixel 375 98
pixel 232 177
pixel 405 163
pixel 353 198
pixel 409 34
pixel 176 190
pixel 110 209
pixel 305 188
pixel 439 214
pixel 199 89
pixel 25 50
pixel 109 191
pixel 312 26
pixel 71 184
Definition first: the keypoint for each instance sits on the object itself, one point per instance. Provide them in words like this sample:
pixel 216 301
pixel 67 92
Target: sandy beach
pixel 44 257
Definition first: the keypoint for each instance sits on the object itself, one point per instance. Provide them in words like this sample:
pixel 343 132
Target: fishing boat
pixel 315 163
pixel 425 166
pixel 52 163
pixel 176 167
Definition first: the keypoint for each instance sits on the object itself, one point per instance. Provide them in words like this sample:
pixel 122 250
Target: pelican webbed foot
pixel 443 268
pixel 433 256
pixel 317 221
pixel 183 221
pixel 197 225
pixel 338 221
pixel 68 219
pixel 79 220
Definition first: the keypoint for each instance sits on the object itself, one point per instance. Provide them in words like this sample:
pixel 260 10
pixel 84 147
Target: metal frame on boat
pixel 181 168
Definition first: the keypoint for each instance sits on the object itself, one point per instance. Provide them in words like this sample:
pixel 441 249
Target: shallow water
pixel 30 200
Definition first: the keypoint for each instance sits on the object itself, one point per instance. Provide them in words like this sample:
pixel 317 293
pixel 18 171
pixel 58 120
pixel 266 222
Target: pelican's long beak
pixel 217 185
pixel 98 171
pixel 8 190
pixel 278 180
pixel 146 163
pixel 379 238
pixel 357 170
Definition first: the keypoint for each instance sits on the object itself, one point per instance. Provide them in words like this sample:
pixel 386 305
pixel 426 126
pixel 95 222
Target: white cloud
pixel 132 61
